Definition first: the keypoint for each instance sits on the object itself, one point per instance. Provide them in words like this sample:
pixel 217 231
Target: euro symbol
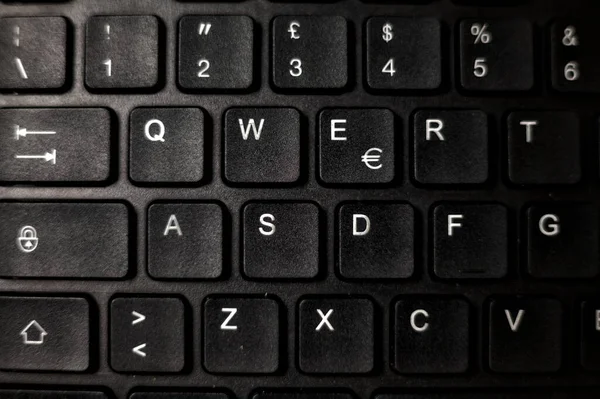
pixel 292 30
pixel 371 159
pixel 159 136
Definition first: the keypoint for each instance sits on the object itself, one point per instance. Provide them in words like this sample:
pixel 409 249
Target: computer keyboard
pixel 294 200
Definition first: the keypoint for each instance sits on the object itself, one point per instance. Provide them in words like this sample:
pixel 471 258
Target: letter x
pixel 324 321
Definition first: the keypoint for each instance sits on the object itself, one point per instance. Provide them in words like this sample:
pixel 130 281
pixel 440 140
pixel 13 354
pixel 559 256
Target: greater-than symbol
pixel 48 157
pixel 138 318
pixel 203 29
pixel 23 132
pixel 371 159
pixel 138 350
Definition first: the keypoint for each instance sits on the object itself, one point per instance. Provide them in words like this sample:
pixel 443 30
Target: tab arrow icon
pixel 138 318
pixel 23 132
pixel 49 156
pixel 138 350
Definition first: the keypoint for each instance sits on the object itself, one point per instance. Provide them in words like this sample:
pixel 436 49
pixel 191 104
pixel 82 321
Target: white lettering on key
pixel 20 68
pixel 251 125
pixel 270 225
pixel 549 229
pixel 324 320
pixel 335 129
pixel 226 325
pixel 293 30
pixel 514 324
pixel 173 225
pixel 159 136
pixel 597 320
pixel 413 320
pixel 529 129
pixel 48 157
pixel 355 230
pixel 434 126
pixel 452 224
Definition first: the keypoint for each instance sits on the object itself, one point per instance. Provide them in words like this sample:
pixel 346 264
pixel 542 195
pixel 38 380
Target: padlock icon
pixel 27 239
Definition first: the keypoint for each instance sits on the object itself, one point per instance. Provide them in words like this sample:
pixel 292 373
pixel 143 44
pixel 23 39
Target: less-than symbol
pixel 138 350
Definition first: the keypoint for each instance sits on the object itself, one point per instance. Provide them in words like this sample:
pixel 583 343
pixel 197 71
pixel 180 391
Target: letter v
pixel 514 324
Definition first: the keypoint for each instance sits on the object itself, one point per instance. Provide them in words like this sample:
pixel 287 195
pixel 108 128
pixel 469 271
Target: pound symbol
pixel 293 30
pixel 570 38
pixel 27 241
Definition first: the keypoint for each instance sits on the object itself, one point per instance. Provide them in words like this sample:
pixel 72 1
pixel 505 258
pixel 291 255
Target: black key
pixel 262 145
pixel 495 393
pixel 55 144
pixel 310 52
pixel 544 148
pixel 147 335
pixel 302 395
pixel 562 241
pixel 31 394
pixel 356 146
pixel 404 53
pixel 376 241
pixel 216 52
pixel 525 335
pixel 590 335
pixel 470 241
pixel 121 52
pixel 34 53
pixel 179 395
pixel 185 241
pixel 496 54
pixel 68 240
pixel 336 335
pixel 44 333
pixel 166 145
pixel 281 240
pixel 431 335
pixel 241 335
pixel 450 147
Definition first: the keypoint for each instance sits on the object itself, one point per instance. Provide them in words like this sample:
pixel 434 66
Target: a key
pixel 45 394
pixel 166 145
pixel 544 147
pixel 376 240
pixel 470 241
pixel 185 241
pixel 525 335
pixel 562 241
pixel 55 145
pixel 121 52
pixel 281 240
pixel 357 146
pixel 147 335
pixel 450 147
pixel 262 145
pixel 241 335
pixel 499 393
pixel 302 395
pixel 431 335
pixel 179 395
pixel 336 335
pixel 44 333
pixel 496 55
pixel 34 53
pixel 310 52
pixel 64 240
pixel 590 335
pixel 216 52
pixel 403 53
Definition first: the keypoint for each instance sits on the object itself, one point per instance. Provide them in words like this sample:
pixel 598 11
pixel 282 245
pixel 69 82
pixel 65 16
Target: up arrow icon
pixel 33 334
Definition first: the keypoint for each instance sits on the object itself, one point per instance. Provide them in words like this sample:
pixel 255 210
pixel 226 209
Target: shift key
pixel 64 240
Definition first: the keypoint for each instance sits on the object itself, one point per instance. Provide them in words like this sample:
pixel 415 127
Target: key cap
pixel 302 395
pixel 525 335
pixel 496 55
pixel 336 335
pixel 44 333
pixel 262 145
pixel 34 53
pixel 68 240
pixel 554 393
pixel 185 241
pixel 376 240
pixel 403 53
pixel 241 335
pixel 55 145
pixel 281 240
pixel 450 147
pixel 216 52
pixel 431 335
pixel 31 394
pixel 310 52
pixel 356 146
pixel 544 148
pixel 166 145
pixel 121 52
pixel 470 241
pixel 590 335
pixel 147 335
pixel 179 395
pixel 562 241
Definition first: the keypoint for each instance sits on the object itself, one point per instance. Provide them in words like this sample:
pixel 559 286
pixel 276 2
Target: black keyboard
pixel 292 200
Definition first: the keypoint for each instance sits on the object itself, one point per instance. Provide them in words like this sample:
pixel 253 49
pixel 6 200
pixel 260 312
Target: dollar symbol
pixel 387 32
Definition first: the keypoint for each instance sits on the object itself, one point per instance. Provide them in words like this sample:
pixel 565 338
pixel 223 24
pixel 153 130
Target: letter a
pixel 173 224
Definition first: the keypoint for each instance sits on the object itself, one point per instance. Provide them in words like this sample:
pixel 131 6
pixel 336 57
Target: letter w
pixel 251 125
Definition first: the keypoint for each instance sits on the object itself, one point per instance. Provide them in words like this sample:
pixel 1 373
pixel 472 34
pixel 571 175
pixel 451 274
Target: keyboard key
pixel 44 333
pixel 356 146
pixel 216 52
pixel 310 52
pixel 431 335
pixel 336 335
pixel 31 394
pixel 262 145
pixel 68 240
pixel 55 145
pixel 34 53
pixel 544 147
pixel 525 335
pixel 147 335
pixel 376 240
pixel 179 395
pixel 403 53
pixel 500 393
pixel 241 335
pixel 496 55
pixel 590 335
pixel 121 52
pixel 302 395
pixel 166 145
pixel 470 241
pixel 281 240
pixel 450 147
pixel 562 241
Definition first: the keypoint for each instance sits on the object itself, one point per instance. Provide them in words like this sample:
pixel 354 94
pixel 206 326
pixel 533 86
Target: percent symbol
pixel 481 33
